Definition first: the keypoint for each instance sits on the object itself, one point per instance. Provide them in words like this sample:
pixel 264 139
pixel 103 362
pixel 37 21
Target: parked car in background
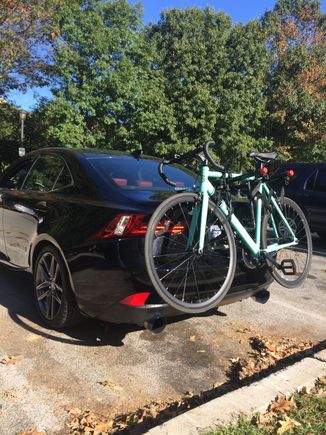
pixel 308 190
pixel 76 220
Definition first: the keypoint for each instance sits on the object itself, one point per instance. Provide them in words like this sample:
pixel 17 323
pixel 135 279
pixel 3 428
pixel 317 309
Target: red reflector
pixel 263 170
pixel 136 300
pixel 290 173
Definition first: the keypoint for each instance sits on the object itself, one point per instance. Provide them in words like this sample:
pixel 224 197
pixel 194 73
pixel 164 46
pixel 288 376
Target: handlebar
pixel 193 153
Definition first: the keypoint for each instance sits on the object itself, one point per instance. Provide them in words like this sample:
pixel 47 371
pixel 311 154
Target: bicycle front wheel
pixel 186 279
pixel 292 263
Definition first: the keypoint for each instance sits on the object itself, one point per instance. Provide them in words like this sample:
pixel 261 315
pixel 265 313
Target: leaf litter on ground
pixel 265 353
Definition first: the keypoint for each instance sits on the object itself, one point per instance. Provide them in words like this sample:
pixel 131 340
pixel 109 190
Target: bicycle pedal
pixel 288 267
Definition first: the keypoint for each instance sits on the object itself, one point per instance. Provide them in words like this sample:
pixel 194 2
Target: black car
pixel 308 190
pixel 76 220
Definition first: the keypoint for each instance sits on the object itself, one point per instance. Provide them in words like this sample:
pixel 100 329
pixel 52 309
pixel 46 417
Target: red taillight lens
pixel 136 300
pixel 263 170
pixel 126 225
pixel 289 173
pixel 123 225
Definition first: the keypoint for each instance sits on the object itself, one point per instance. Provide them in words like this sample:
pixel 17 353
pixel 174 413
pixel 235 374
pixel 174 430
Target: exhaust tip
pixel 262 297
pixel 156 324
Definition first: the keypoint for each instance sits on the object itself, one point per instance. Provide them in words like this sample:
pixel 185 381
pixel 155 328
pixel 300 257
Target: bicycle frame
pixel 253 245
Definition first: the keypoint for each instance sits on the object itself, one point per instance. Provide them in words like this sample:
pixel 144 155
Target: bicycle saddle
pixel 263 157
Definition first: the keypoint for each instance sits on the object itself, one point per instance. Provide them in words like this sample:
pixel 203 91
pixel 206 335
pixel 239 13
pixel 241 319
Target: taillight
pixel 123 225
pixel 263 170
pixel 289 173
pixel 135 300
pixel 126 225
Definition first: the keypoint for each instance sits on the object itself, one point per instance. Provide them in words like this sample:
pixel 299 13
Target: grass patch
pixel 304 413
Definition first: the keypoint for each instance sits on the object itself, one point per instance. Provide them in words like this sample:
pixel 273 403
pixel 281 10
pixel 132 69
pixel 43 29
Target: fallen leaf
pixel 192 338
pixel 201 351
pixel 8 360
pixel 103 427
pixel 264 420
pixel 286 425
pixel 110 385
pixel 282 405
pixel 10 394
pixel 270 347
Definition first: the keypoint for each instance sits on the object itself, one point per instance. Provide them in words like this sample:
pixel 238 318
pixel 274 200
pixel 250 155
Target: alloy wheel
pixel 48 285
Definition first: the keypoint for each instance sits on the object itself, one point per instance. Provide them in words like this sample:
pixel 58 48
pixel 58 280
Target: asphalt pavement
pixel 112 369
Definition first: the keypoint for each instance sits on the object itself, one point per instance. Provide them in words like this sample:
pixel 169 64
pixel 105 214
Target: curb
pixel 246 400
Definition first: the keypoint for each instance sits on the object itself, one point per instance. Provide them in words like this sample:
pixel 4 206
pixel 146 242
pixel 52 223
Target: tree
pixel 215 79
pixel 9 133
pixel 26 27
pixel 297 82
pixel 106 87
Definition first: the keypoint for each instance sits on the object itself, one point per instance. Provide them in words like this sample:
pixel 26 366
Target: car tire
pixel 54 298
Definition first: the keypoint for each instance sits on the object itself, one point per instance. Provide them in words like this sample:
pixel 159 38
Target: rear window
pixel 133 174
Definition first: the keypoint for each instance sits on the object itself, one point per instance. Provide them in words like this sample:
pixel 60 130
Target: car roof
pixel 89 152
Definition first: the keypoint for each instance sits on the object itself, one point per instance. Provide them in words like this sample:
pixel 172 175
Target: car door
pixel 315 200
pixel 27 208
pixel 10 184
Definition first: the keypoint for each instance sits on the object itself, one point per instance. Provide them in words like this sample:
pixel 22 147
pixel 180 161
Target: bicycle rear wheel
pixel 185 279
pixel 295 259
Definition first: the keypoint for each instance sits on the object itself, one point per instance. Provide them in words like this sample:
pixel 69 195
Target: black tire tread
pixel 274 272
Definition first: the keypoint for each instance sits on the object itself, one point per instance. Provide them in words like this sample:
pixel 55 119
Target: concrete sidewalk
pixel 246 400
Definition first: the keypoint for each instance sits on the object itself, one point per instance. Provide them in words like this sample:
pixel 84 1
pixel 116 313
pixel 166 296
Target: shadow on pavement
pixel 16 295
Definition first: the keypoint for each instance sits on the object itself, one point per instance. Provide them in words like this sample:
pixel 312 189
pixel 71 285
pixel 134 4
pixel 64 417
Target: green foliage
pixel 107 91
pixel 191 77
pixel 26 29
pixel 214 79
pixel 9 133
pixel 297 82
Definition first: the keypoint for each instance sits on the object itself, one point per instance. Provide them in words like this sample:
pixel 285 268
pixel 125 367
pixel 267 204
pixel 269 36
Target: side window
pixel 49 173
pixel 16 177
pixel 320 184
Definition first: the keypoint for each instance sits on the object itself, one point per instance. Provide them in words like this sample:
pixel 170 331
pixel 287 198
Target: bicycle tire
pixel 165 247
pixel 300 227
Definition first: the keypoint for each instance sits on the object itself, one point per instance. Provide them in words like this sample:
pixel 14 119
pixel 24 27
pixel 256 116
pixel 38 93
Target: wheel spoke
pixel 45 270
pixel 48 305
pixel 42 285
pixel 43 295
pixel 53 265
pixel 56 297
pixel 58 288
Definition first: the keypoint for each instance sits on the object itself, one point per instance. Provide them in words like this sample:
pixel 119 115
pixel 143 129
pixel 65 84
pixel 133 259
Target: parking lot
pixel 113 369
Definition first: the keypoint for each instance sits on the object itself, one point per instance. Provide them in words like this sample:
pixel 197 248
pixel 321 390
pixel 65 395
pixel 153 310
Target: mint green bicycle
pixel 193 238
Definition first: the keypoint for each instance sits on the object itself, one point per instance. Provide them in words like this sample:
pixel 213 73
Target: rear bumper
pixel 119 313
pixel 105 274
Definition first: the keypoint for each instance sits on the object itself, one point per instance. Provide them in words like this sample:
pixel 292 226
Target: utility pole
pixel 22 117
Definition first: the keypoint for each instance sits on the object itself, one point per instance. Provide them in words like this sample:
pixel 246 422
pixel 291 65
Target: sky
pixel 239 10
